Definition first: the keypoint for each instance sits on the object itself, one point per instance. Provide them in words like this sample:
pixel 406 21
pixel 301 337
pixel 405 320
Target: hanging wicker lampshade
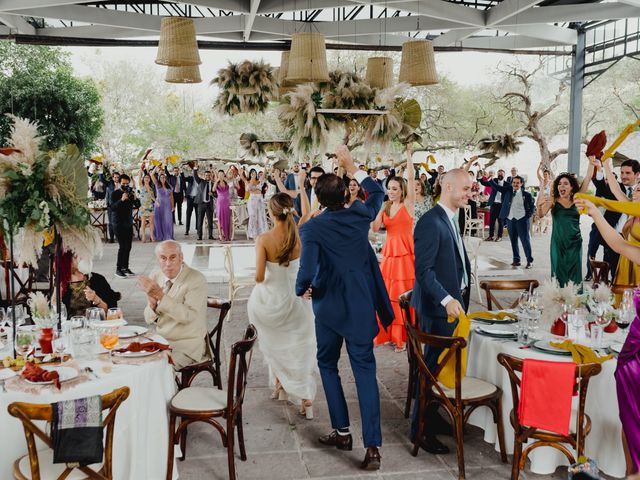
pixel 183 75
pixel 380 72
pixel 307 59
pixel 284 85
pixel 178 46
pixel 418 64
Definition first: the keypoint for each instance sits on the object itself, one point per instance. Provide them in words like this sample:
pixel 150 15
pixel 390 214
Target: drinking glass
pixel 523 328
pixel 63 310
pixel 3 316
pixel 95 315
pixel 115 314
pixel 626 315
pixel 77 321
pixel 627 297
pixel 60 344
pixel 25 341
pixel 109 339
pixel 597 329
pixel 523 301
pixel 19 312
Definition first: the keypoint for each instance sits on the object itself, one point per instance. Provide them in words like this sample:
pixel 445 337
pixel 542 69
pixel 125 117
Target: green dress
pixel 566 245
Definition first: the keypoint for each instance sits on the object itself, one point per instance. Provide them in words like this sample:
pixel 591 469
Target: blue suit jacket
pixel 439 270
pixel 507 198
pixel 338 262
pixel 494 191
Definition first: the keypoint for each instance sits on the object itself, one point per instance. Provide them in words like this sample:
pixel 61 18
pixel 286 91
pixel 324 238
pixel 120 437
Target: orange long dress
pixel 398 271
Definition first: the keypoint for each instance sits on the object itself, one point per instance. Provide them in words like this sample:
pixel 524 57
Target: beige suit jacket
pixel 181 316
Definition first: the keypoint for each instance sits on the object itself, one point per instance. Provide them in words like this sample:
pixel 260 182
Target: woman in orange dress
pixel 397 267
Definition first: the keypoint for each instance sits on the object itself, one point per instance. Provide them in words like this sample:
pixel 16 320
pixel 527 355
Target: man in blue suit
pixel 495 205
pixel 442 279
pixel 340 272
pixel 517 209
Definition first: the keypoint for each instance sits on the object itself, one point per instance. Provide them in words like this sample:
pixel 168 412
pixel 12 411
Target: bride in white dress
pixel 285 322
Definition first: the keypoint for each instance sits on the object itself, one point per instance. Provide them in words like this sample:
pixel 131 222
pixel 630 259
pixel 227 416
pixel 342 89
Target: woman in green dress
pixel 566 240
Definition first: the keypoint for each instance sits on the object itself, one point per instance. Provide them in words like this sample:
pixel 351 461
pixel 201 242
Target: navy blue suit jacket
pixel 494 191
pixel 507 198
pixel 171 178
pixel 439 270
pixel 338 262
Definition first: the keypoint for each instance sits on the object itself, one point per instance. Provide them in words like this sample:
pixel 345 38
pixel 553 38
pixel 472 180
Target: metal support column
pixel 575 104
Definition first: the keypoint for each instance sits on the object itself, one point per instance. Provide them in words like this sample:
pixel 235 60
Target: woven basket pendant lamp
pixel 284 86
pixel 183 75
pixel 178 46
pixel 380 72
pixel 307 59
pixel 418 64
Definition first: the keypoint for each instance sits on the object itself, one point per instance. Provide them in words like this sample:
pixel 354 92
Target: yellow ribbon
pixel 621 138
pixel 48 237
pixel 172 159
pixel 581 353
pixel 630 208
pixel 447 375
pixel 492 315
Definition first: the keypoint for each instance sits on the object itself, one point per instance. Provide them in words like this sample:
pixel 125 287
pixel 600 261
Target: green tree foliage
pixel 37 82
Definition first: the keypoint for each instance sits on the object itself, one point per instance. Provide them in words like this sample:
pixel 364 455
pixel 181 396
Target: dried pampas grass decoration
pixel 500 145
pixel 247 87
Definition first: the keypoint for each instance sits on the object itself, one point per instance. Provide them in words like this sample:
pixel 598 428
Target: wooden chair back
pixel 583 374
pixel 28 412
pixel 215 335
pixel 599 271
pixel 490 286
pixel 23 277
pixel 404 301
pixel 239 362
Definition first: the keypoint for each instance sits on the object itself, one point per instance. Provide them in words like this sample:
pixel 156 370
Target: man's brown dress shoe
pixel 341 442
pixel 371 459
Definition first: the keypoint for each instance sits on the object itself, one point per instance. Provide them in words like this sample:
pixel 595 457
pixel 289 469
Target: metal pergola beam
pixel 575 104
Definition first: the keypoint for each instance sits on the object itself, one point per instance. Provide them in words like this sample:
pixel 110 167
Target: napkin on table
pixel 76 431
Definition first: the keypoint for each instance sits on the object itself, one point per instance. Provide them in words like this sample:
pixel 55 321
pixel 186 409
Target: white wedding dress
pixel 286 330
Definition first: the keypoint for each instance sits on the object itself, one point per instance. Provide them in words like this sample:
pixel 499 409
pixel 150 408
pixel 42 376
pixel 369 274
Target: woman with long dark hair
pixel 566 240
pixel 285 322
pixel 163 211
pixel 223 205
pixel 147 205
pixel 255 206
pixel 354 192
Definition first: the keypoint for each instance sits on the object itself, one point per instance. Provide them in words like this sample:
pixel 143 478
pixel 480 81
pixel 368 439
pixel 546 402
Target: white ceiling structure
pixel 467 24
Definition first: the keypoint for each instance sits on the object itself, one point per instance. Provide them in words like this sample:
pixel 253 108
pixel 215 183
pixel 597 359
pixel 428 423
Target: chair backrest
pixel 26 412
pixel 583 374
pixel 215 335
pixel 240 261
pixel 429 379
pixel 241 353
pixel 599 271
pixel 490 286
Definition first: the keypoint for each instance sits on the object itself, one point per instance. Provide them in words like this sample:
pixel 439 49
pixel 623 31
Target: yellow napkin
pixel 581 353
pixel 448 374
pixel 492 315
pixel 630 208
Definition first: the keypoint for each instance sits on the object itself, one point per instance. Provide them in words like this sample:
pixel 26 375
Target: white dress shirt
pixel 453 218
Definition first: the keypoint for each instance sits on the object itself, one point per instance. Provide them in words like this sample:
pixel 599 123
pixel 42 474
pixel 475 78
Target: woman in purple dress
pixel 628 369
pixel 163 213
pixel 223 206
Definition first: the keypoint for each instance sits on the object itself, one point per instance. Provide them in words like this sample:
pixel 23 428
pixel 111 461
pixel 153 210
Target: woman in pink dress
pixel 223 206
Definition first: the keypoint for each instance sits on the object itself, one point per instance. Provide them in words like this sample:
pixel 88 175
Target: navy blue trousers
pixel 519 229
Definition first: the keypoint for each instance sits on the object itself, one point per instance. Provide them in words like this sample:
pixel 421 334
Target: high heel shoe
pixel 282 395
pixel 276 393
pixel 306 411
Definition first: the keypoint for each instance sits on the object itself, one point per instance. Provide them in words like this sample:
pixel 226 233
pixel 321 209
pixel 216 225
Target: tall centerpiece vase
pixel 44 319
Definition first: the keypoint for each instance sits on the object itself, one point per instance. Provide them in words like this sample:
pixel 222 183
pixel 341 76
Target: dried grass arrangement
pixel 247 87
pixel 500 145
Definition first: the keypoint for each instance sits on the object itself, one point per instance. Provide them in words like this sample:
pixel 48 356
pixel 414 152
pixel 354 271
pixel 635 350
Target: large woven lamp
pixel 183 75
pixel 283 85
pixel 380 72
pixel 307 59
pixel 178 46
pixel 418 64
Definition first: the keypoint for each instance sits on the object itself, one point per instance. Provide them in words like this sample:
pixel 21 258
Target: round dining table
pixel 604 442
pixel 141 426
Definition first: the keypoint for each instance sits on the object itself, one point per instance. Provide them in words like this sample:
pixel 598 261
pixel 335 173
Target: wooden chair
pixel 38 465
pixel 238 282
pixel 599 271
pixel 543 438
pixel 473 251
pixel 489 286
pixel 202 404
pixel 468 393
pixel 24 279
pixel 188 373
pixel 405 304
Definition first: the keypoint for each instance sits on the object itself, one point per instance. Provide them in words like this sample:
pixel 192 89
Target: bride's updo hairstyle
pixel 282 210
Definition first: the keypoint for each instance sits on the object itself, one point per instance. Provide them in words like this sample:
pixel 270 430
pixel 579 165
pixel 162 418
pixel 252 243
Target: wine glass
pixel 109 339
pixel 626 315
pixel 95 315
pixel 63 311
pixel 25 341
pixel 60 344
pixel 600 322
pixel 627 297
pixel 19 313
pixel 115 314
pixel 3 316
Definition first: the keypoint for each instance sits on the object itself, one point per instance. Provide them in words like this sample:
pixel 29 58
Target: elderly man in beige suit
pixel 177 304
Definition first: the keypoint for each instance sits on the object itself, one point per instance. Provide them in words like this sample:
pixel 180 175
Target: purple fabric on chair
pixel 627 386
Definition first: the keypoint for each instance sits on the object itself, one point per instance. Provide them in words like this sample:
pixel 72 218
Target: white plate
pixel 64 374
pixel 545 346
pixel 501 330
pixel 6 373
pixel 131 331
pixel 616 347
pixel 109 323
pixel 134 354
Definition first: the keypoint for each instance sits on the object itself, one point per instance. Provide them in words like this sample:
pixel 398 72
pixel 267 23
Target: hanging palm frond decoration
pixel 297 114
pixel 247 87
pixel 500 145
pixel 346 90
pixel 250 146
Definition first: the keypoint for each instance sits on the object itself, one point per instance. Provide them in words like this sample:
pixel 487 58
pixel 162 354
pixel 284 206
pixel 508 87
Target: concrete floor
pixel 281 444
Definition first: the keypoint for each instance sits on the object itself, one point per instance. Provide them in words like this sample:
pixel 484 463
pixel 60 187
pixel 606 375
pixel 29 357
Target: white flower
pixel 39 305
pixel 24 136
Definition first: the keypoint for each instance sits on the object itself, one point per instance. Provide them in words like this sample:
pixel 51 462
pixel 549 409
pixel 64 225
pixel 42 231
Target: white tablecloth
pixel 603 444
pixel 141 428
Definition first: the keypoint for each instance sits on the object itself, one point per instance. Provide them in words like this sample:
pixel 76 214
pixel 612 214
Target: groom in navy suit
pixel 340 272
pixel 441 288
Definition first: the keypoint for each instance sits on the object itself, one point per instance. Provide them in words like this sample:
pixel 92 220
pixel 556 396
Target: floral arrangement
pixel 599 301
pixel 97 204
pixel 247 87
pixel 41 189
pixel 39 306
pixel 497 146
pixel 553 297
